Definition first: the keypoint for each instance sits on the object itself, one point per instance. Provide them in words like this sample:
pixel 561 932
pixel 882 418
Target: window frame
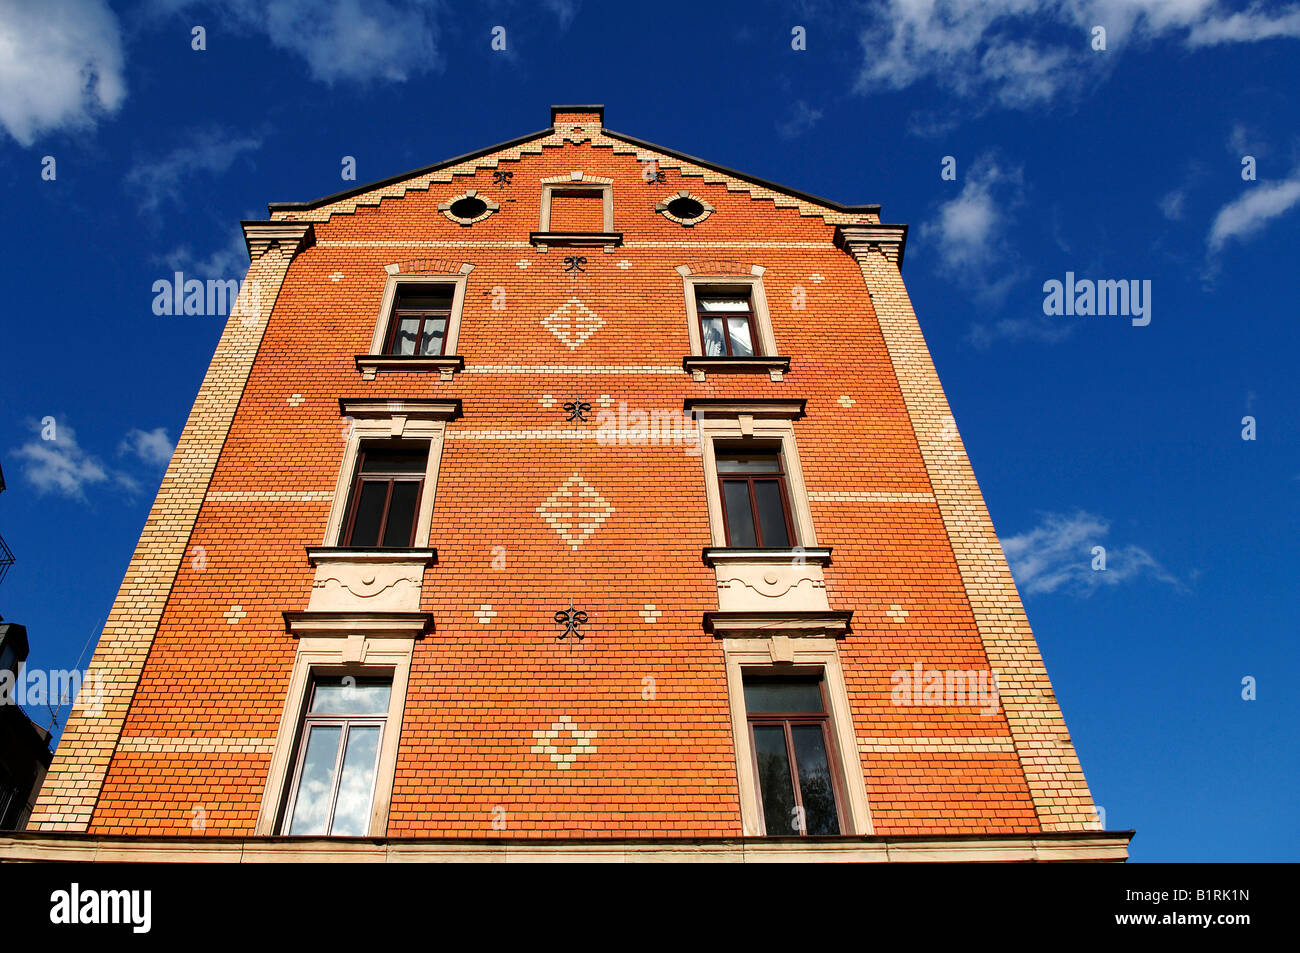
pixel 364 651
pixel 765 346
pixel 719 291
pixel 417 421
pixel 787 720
pixel 736 423
pixel 359 478
pixel 424 315
pixel 385 323
pixel 347 723
pixel 787 513
pixel 794 654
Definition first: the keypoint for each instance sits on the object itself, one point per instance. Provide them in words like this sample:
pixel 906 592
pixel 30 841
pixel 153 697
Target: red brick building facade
pixel 572 377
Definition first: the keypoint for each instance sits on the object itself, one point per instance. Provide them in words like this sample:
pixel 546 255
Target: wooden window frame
pixel 787 720
pixel 693 286
pixel 424 314
pixel 347 722
pixel 787 511
pixel 360 478
pixel 723 290
pixel 794 653
pixel 362 649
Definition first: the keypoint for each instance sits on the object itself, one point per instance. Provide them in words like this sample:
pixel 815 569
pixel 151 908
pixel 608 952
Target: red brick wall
pixel 477 692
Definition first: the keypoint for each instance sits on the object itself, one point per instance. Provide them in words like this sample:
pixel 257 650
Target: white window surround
pixel 784 655
pixel 738 422
pixel 368 419
pixel 376 360
pixel 363 655
pixel 753 282
pixel 577 180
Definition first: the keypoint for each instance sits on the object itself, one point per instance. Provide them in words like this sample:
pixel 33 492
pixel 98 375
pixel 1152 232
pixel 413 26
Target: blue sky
pixel 1084 431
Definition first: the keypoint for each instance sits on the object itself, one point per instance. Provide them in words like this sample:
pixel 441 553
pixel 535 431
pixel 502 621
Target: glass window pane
pixel 771 513
pixel 311 808
pixel 738 302
pixel 740 523
pixel 424 298
pixel 774 784
pixel 404 337
pixel 714 346
pixel 741 345
pixel 816 789
pixel 435 329
pixel 767 695
pixel 346 695
pixel 395 460
pixel 357 782
pixel 733 462
pixel 370 510
pixel 401 514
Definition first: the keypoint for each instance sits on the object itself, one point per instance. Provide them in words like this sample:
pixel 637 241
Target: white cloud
pixel 1248 27
pixel 340 40
pixel 804 118
pixel 1039 329
pixel 1171 206
pixel 1259 204
pixel 210 151
pixel 228 261
pixel 1057 556
pixel 154 447
pixel 1019 54
pixel 60 66
pixel 968 230
pixel 62 467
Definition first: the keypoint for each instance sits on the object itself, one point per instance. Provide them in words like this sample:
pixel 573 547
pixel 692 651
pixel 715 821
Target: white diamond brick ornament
pixel 573 323
pixel 575 510
pixel 563 755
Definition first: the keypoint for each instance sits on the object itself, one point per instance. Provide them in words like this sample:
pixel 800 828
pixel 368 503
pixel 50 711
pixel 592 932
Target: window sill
pixel 372 364
pixel 697 365
pixel 609 240
pixel 316 555
pixel 410 625
pixel 767 624
pixel 794 556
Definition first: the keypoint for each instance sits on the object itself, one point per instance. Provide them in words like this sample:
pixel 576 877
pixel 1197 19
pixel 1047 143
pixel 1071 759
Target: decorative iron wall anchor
pixel 575 263
pixel 570 618
pixel 500 177
pixel 577 408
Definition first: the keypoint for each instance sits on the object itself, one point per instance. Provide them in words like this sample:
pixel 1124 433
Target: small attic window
pixel 684 208
pixel 468 208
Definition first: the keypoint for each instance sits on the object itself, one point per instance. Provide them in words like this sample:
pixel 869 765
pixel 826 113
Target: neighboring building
pixel 24 745
pixel 575 494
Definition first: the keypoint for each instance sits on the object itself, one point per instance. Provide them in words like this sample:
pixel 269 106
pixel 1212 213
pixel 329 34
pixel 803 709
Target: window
pixel 790 735
pixel 755 500
pixel 386 495
pixel 333 785
pixel 726 323
pixel 421 315
pixel 577 210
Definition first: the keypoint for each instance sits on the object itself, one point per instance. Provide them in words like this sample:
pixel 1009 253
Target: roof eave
pixel 273 207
